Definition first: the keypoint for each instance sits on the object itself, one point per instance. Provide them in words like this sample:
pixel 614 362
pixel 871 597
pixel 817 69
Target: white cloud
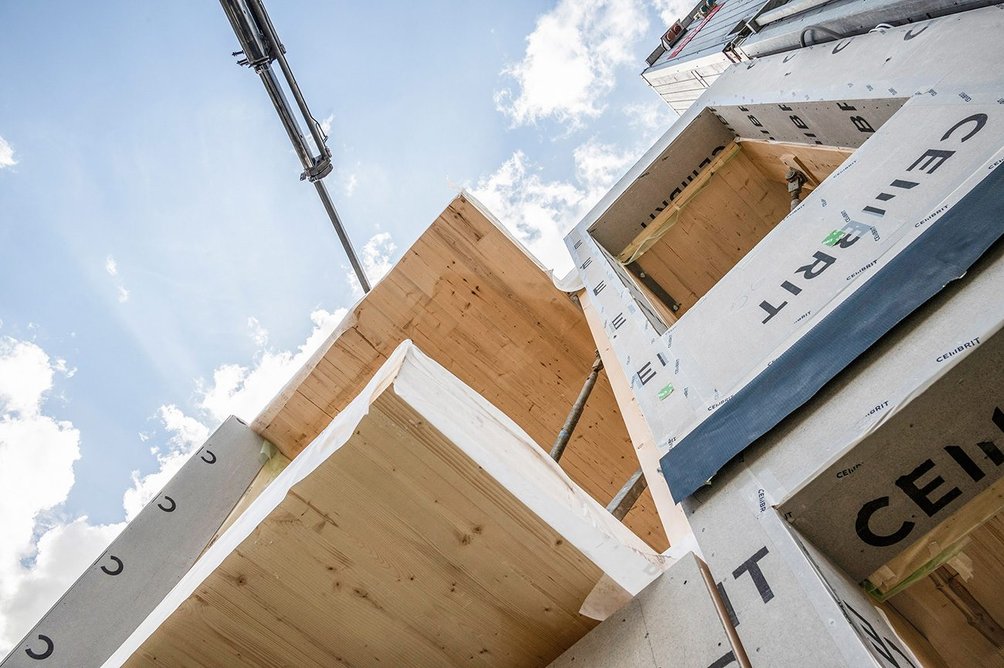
pixel 244 391
pixel 112 269
pixel 6 154
pixel 540 212
pixel 377 259
pixel 597 167
pixel 350 185
pixel 62 553
pixel 670 11
pixel 258 333
pixel 41 555
pixel 37 454
pixel 571 57
pixel 26 374
pixel 187 436
pixel 651 118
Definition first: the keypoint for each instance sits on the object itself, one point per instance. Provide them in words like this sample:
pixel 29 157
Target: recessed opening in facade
pixel 720 187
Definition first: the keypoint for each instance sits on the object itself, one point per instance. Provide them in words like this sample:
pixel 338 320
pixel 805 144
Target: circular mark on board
pixel 211 460
pixel 170 508
pixel 842 45
pixel 118 568
pixel 44 654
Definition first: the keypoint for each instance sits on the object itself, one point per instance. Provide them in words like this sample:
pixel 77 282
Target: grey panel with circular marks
pixel 148 558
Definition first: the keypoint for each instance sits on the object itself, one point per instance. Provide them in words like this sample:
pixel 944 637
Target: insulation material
pixel 877 635
pixel 785 609
pixel 833 277
pixel 739 517
pixel 844 124
pixel 422 514
pixel 669 169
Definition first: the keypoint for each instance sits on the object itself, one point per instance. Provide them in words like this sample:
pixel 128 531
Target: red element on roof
pixel 692 34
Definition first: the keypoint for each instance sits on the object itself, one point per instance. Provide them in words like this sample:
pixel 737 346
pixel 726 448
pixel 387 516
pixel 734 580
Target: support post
pixel 624 500
pixel 565 434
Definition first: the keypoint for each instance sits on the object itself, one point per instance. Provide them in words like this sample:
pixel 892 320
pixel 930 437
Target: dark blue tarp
pixel 940 255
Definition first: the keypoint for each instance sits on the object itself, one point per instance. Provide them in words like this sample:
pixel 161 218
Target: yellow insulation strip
pixel 649 236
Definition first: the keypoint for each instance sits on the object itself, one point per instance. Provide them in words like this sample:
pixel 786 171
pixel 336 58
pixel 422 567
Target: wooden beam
pixel 939 544
pixel 674 521
pixel 669 215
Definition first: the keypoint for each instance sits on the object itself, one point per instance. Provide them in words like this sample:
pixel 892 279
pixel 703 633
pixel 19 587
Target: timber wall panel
pixel 731 213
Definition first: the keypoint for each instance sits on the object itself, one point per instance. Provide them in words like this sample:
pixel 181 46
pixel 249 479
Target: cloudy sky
pixel 162 267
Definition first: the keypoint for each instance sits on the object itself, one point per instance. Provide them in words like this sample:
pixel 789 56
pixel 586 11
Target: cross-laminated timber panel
pixel 473 300
pixel 422 527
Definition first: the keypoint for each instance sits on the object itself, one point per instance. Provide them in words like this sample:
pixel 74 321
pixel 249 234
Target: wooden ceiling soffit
pixel 422 527
pixel 472 299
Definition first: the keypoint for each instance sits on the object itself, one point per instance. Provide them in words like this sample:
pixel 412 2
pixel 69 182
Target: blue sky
pixel 162 266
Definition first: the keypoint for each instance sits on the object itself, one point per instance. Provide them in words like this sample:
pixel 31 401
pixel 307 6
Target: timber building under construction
pixel 761 424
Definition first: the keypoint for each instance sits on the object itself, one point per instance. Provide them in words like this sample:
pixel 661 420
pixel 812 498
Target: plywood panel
pixel 421 528
pixel 942 623
pixel 818 161
pixel 728 209
pixel 730 213
pixel 479 305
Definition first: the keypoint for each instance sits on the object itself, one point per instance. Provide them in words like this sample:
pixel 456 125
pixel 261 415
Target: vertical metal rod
pixel 573 415
pixel 336 222
pixel 624 500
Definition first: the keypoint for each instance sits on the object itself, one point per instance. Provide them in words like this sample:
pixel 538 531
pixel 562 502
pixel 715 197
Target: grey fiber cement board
pixel 672 623
pixel 803 464
pixel 922 464
pixel 110 599
pixel 940 255
pixel 739 530
pixel 716 361
pixel 786 609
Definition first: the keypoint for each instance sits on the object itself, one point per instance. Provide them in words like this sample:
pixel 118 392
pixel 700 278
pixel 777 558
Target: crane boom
pixel 260 47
